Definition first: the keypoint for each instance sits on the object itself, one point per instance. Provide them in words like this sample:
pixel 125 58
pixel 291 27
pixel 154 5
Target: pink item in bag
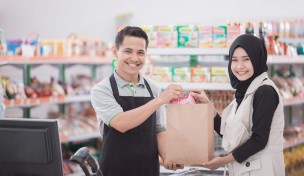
pixel 183 100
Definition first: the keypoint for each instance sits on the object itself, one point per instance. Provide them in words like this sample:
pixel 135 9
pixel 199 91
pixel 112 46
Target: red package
pixel 183 100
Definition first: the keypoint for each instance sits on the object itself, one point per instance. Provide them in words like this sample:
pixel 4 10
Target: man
pixel 130 111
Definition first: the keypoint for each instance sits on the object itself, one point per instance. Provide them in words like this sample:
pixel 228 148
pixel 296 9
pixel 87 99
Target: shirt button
pixel 247 164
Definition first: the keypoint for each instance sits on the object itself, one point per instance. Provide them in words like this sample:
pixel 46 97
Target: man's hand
pixel 173 166
pixel 199 96
pixel 172 91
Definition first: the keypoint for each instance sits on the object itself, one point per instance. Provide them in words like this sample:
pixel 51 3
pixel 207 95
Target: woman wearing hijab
pixel 252 125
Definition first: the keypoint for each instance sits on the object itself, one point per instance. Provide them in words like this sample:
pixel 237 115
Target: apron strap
pixel 114 86
pixel 148 87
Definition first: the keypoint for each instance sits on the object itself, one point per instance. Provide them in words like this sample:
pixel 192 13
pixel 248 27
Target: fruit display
pixel 80 85
pixel 288 84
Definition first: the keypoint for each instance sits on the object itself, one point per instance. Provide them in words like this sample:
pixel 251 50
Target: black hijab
pixel 257 53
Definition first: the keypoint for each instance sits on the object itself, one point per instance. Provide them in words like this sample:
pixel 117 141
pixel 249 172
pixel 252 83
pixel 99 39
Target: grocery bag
pixel 190 136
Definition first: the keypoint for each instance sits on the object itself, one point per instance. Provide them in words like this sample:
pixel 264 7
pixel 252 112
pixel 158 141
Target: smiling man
pixel 130 112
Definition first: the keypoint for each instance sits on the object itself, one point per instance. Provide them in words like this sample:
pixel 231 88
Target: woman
pixel 252 124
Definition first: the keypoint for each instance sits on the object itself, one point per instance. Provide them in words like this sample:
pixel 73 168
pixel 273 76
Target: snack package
pixel 187 36
pixel 219 75
pixel 152 34
pixel 200 74
pixel 183 100
pixel 166 36
pixel 232 33
pixel 180 74
pixel 205 36
pixel 219 36
pixel 161 74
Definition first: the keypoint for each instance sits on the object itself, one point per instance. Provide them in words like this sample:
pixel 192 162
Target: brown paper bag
pixel 190 136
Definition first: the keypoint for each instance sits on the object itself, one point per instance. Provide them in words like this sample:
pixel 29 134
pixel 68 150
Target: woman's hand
pixel 219 161
pixel 214 163
pixel 199 96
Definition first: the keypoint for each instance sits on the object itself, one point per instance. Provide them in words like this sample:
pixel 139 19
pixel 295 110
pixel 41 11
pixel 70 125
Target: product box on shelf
pixel 187 36
pixel 180 74
pixel 219 75
pixel 200 74
pixel 205 36
pixel 232 33
pixel 152 34
pixel 167 36
pixel 219 36
pixel 161 74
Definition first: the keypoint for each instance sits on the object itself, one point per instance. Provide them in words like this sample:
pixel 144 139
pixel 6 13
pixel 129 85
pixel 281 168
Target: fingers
pixel 173 166
pixel 198 91
pixel 180 166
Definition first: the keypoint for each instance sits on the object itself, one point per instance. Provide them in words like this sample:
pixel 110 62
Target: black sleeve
pixel 265 103
pixel 217 124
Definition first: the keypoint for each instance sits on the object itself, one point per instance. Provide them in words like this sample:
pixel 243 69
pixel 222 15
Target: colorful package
pixel 152 34
pixel 166 36
pixel 205 36
pixel 232 33
pixel 219 36
pixel 180 74
pixel 161 74
pixel 187 36
pixel 183 100
pixel 200 74
pixel 219 75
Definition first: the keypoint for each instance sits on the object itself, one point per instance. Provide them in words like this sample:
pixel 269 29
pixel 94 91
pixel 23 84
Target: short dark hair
pixel 130 31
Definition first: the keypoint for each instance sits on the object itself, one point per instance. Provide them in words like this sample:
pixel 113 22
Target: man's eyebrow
pixel 128 49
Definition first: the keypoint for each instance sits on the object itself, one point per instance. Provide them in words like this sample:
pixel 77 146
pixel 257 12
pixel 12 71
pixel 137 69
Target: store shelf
pixel 188 51
pixel 92 135
pixel 204 86
pixel 55 60
pixel 30 102
pixel 292 40
pixel 293 143
pixel 285 60
pixel 293 101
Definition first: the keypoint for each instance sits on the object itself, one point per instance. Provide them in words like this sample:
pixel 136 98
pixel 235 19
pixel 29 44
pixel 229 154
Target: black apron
pixel 134 152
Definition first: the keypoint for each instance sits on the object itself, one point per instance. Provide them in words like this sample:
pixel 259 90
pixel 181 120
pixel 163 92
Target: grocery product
pixel 183 100
pixel 161 74
pixel 187 36
pixel 232 33
pixel 205 36
pixel 219 36
pixel 219 75
pixel 152 34
pixel 200 74
pixel 180 74
pixel 167 36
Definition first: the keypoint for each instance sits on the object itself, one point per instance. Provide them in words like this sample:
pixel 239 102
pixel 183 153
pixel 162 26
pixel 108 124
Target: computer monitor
pixel 30 147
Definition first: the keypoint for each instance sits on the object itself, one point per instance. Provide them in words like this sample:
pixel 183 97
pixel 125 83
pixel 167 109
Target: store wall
pixel 58 18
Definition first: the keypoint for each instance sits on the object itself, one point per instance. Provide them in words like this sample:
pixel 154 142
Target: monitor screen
pixel 30 147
